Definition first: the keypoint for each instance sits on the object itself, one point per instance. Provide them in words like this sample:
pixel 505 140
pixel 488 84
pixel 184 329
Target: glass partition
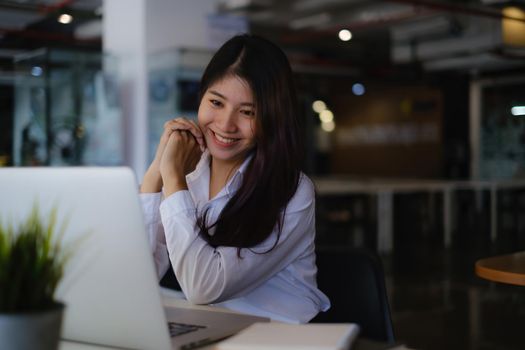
pixel 66 109
pixel 502 130
pixel 174 80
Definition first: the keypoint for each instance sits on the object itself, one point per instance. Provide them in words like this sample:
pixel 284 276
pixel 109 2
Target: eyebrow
pixel 224 97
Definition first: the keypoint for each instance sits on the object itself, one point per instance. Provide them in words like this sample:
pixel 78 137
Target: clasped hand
pixel 178 152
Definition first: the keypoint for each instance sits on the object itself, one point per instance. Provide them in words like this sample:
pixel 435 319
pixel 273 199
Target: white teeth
pixel 224 139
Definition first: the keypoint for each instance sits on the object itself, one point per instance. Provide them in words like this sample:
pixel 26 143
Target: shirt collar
pixel 236 180
pixel 199 180
pixel 203 167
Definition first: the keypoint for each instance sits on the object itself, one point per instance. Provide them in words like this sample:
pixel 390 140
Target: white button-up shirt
pixel 280 284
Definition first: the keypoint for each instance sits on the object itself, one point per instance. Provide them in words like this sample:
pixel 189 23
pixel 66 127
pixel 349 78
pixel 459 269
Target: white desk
pixel 384 190
pixel 171 298
pixel 360 344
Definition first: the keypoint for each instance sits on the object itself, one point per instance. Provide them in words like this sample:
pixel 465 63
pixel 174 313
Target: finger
pixel 182 123
pixel 189 125
pixel 183 135
pixel 174 120
pixel 190 140
pixel 166 134
pixel 187 137
pixel 177 126
pixel 176 135
pixel 171 126
pixel 174 125
pixel 180 120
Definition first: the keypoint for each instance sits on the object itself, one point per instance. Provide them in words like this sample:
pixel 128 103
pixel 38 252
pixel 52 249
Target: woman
pixel 237 222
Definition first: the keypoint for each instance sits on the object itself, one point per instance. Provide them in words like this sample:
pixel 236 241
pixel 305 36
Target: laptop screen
pixel 110 286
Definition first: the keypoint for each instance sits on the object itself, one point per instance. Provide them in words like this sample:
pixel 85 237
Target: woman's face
pixel 227 119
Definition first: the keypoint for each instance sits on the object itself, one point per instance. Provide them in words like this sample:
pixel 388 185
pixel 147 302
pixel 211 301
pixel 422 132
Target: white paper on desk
pixel 275 335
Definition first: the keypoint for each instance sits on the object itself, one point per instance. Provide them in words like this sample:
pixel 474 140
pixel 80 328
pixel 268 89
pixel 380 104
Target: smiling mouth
pixel 224 140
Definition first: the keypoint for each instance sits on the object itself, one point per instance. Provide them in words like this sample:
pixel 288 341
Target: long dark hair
pixel 272 177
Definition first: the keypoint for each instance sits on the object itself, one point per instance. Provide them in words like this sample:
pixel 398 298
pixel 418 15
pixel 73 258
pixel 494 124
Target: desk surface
pixel 360 344
pixel 508 268
pixel 172 298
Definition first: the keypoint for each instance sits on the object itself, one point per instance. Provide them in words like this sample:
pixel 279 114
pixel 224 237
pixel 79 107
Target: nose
pixel 226 121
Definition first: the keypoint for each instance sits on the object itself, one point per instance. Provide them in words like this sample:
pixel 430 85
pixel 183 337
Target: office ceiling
pixel 31 24
pixel 433 35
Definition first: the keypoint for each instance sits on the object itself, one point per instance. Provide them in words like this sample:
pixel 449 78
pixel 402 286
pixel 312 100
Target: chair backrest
pixel 354 281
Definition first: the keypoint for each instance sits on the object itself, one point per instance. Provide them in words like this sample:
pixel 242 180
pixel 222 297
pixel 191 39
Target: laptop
pixel 110 285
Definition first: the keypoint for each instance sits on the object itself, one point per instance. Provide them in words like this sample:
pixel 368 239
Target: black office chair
pixel 354 281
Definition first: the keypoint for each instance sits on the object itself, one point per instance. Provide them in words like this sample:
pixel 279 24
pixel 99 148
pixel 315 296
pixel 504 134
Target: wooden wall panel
pixel 388 132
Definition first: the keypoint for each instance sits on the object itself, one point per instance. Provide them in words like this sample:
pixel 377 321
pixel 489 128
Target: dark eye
pixel 216 103
pixel 248 112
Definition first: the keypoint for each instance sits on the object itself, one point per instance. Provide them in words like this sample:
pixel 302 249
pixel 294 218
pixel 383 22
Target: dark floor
pixel 445 306
pixel 437 301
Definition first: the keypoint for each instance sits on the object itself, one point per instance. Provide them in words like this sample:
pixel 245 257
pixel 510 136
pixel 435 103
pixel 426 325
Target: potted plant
pixel 32 263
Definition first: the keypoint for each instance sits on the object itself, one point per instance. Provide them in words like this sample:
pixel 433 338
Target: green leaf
pixel 32 261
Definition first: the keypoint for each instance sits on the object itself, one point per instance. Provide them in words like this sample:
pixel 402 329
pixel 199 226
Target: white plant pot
pixel 31 330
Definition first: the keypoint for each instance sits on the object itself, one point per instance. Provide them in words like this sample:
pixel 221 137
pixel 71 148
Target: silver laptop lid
pixel 110 286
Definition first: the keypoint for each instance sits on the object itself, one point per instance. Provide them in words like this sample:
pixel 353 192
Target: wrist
pixel 174 185
pixel 152 181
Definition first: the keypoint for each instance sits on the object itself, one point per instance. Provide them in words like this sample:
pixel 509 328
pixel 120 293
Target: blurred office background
pixel 413 113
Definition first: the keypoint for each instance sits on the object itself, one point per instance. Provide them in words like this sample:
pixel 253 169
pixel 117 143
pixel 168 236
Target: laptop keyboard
pixel 182 328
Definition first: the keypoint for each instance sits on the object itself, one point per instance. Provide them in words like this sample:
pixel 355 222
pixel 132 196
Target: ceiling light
pixel 328 127
pixel 65 18
pixel 518 110
pixel 318 106
pixel 36 71
pixel 345 34
pixel 326 116
pixel 358 89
